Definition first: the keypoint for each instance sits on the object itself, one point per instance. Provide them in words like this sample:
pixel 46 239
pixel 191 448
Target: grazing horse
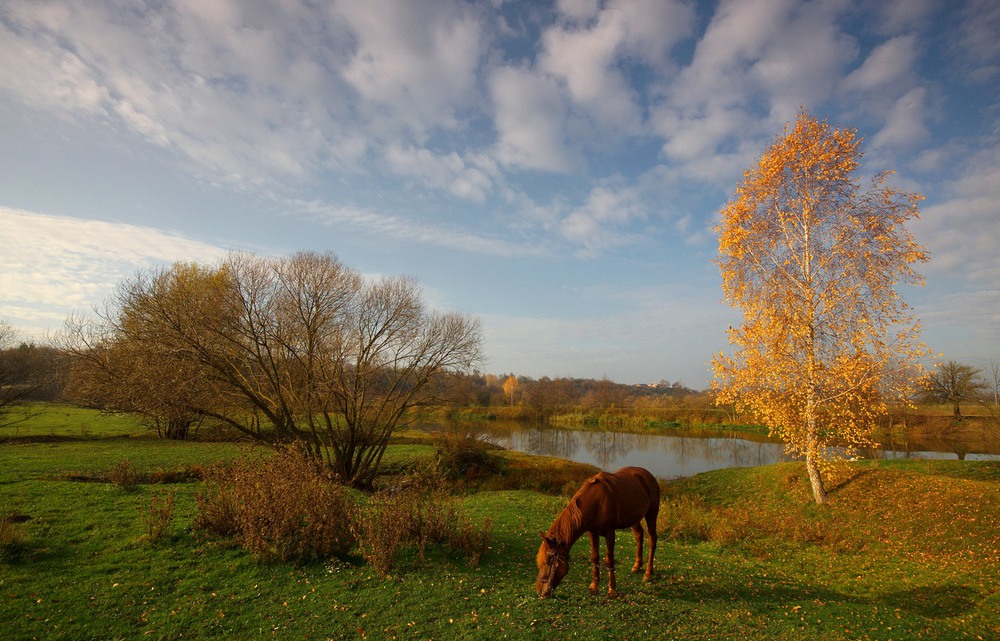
pixel 605 503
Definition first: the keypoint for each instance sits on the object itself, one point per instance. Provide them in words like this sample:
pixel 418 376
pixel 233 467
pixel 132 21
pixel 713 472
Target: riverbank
pixel 905 549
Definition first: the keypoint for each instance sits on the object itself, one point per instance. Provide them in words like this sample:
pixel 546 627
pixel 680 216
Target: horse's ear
pixel 551 540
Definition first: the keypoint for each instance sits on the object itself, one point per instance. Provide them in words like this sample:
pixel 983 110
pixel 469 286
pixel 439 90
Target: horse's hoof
pixel 647 577
pixel 636 569
pixel 593 589
pixel 612 594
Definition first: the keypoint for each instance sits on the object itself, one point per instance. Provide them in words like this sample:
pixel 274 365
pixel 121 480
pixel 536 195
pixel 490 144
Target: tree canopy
pixel 813 260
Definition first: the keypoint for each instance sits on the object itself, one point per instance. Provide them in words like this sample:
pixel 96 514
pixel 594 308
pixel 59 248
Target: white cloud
pixel 416 60
pixel 585 60
pixel 899 16
pixel 905 124
pixel 529 116
pixel 601 223
pixel 469 180
pixel 758 62
pixel 406 229
pixel 978 40
pixel 886 66
pixel 54 264
pixel 577 9
pixel 961 230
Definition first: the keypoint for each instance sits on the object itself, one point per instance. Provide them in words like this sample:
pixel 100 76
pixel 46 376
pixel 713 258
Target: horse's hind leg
pixel 637 530
pixel 651 526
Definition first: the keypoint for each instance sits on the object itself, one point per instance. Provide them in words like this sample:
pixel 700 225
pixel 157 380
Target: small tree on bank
pixel 954 383
pixel 813 259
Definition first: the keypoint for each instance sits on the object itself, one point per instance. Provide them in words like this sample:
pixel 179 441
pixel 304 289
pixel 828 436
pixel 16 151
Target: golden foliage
pixel 813 260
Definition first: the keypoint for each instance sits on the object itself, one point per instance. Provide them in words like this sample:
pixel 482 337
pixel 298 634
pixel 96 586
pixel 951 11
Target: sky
pixel 553 169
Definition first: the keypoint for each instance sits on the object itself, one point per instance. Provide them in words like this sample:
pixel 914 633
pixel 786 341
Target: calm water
pixel 665 455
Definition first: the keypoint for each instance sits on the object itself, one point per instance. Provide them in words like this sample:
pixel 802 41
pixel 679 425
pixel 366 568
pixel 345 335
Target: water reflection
pixel 665 455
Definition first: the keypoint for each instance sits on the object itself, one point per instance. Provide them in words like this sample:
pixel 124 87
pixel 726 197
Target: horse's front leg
pixel 609 540
pixel 595 561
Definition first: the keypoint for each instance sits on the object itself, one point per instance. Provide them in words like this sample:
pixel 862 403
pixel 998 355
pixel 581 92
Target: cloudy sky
pixel 553 168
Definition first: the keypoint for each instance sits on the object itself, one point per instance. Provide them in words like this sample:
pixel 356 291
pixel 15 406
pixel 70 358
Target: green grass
pixel 905 550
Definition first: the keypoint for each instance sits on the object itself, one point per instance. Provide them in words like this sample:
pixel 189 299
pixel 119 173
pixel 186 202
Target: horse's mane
pixel 572 513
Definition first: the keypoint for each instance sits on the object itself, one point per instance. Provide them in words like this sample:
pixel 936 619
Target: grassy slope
pixel 905 550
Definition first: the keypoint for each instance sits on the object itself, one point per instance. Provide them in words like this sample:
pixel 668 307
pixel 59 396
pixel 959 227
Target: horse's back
pixel 642 482
pixel 632 493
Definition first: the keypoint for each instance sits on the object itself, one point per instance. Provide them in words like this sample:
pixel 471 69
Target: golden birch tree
pixel 813 260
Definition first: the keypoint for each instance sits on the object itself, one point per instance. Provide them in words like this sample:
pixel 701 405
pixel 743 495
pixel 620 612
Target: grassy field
pixel 905 550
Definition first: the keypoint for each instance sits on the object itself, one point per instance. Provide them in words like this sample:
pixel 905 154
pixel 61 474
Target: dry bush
pixel 474 541
pixel 464 457
pixel 124 475
pixel 286 507
pixel 416 517
pixel 380 528
pixel 159 516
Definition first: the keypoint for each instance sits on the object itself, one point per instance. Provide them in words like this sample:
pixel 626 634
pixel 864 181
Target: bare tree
pixel 954 383
pixel 303 345
pixel 994 382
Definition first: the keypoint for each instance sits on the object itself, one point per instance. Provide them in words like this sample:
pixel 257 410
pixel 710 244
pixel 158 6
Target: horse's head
pixel 553 564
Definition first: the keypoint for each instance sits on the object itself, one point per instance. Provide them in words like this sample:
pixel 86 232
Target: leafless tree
pixel 303 345
pixel 953 383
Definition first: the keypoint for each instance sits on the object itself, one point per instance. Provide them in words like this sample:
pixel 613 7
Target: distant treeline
pixel 581 400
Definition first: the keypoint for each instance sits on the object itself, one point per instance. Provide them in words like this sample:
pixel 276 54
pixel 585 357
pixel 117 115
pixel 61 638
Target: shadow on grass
pixel 931 602
pixel 934 602
pixel 26 439
pixel 28 551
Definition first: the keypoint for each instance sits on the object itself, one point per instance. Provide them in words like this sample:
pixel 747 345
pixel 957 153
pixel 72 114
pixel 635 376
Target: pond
pixel 666 454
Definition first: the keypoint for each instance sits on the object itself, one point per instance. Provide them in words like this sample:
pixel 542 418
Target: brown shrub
pixel 380 528
pixel 286 507
pixel 159 515
pixel 464 457
pixel 394 519
pixel 124 475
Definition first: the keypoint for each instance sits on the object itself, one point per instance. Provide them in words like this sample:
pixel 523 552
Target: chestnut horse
pixel 605 503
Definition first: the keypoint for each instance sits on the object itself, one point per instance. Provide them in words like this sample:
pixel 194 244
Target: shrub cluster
pixel 393 519
pixel 124 475
pixel 290 507
pixel 464 457
pixel 287 507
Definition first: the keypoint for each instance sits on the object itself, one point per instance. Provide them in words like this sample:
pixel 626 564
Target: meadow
pixel 905 550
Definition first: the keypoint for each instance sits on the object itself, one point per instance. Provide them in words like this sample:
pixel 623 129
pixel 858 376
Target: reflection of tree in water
pixel 607 447
pixel 547 442
pixel 720 452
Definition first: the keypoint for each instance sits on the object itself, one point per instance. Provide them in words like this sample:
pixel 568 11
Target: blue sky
pixel 553 168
